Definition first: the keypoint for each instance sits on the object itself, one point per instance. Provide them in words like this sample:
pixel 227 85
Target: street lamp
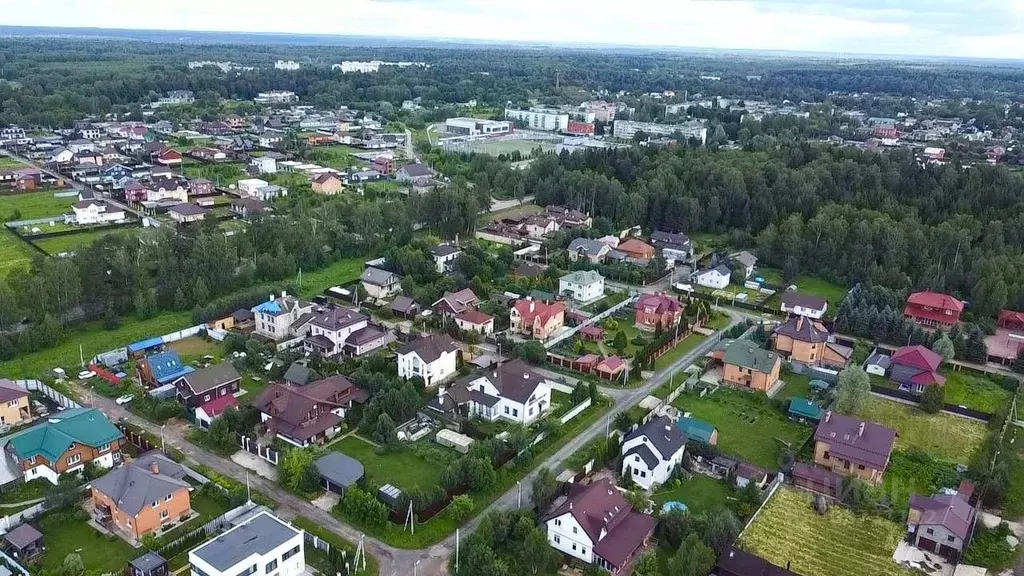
pixel 162 448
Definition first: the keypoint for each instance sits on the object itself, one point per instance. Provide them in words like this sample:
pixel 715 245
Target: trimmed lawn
pixel 14 253
pixel 837 543
pixel 64 534
pixel 685 345
pixel 194 348
pixel 748 426
pixel 402 469
pixel 339 273
pixel 944 436
pixel 974 391
pixel 797 385
pixel 72 242
pixel 718 321
pixel 319 560
pixel 34 205
pixel 699 493
pixel 8 163
pixel 812 285
pixel 207 507
pixel 253 388
pixel 93 339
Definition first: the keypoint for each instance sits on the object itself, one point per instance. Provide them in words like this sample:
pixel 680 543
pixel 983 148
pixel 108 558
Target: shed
pixel 878 364
pixel 698 430
pixel 149 564
pixel 143 345
pixel 453 440
pixel 820 385
pixel 389 495
pixel 339 471
pixel 24 542
pixel 804 409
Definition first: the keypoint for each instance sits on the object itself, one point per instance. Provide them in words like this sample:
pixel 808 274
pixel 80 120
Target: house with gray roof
pixel 513 392
pixel 586 248
pixel 380 283
pixel 583 286
pixel 264 544
pixel 143 496
pixel 433 358
pixel 652 451
pixel 196 388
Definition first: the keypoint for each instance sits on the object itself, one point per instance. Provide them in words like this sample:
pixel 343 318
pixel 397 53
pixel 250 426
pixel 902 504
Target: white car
pixel 86 374
pixel 124 399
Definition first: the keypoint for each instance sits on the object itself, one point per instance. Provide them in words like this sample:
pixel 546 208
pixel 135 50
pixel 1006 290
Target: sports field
pixel 499 147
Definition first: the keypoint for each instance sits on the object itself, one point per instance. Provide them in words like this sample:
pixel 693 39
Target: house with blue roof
pixel 164 368
pixel 64 443
pixel 283 317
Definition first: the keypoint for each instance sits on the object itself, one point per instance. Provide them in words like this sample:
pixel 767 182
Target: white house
pixel 61 156
pixel 582 285
pixel 338 330
pixel 380 283
pixel 475 321
pixel 280 318
pixel 91 212
pixel 512 392
pixel 746 260
pixel 717 277
pixel 432 358
pixel 804 305
pixel 445 256
pixel 251 186
pixel 260 546
pixel 651 452
pixel 596 525
pixel 264 164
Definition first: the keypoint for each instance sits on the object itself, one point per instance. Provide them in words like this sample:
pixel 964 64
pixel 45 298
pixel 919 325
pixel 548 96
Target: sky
pixel 963 28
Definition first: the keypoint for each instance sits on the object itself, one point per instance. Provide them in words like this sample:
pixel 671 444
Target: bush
pixel 933 399
pixel 990 548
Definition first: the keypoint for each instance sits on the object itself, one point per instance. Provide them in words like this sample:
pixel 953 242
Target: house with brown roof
pixel 328 184
pixel 598 526
pixel 338 330
pixel 310 414
pixel 143 496
pixel 433 358
pixel 186 213
pixel 637 249
pixel 475 321
pixel 197 388
pixel 795 303
pixel 802 339
pixel 513 392
pixel 538 320
pixel 736 562
pixel 455 303
pixel 15 408
pixel 849 446
pixel 940 523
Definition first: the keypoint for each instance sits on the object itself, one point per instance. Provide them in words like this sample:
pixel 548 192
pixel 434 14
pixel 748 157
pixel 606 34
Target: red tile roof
pixel 530 310
pixel 636 247
pixel 474 317
pixel 218 405
pixel 933 306
pixel 917 356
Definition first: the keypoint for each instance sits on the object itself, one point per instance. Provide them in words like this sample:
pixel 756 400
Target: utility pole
pixel 456 550
pixel 519 497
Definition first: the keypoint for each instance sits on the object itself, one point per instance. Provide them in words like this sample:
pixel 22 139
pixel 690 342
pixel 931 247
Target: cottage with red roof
pixel 610 368
pixel 637 249
pixel 933 309
pixel 208 412
pixel 916 368
pixel 169 157
pixel 535 319
pixel 475 321
pixel 849 446
pixel 654 309
pixel 598 526
pixel 1011 320
pixel 941 523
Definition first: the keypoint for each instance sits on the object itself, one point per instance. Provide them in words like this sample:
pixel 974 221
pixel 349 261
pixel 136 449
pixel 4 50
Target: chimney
pixel 860 429
pixel 154 467
pixel 283 294
pixel 828 415
pixel 526 375
pixel 800 323
pixel 271 299
pixel 531 305
pixel 570 505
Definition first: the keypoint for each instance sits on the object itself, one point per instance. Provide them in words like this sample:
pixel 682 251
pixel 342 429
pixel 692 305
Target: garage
pixel 926 544
pixel 339 471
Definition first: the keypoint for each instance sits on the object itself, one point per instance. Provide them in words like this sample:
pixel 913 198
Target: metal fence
pixel 48 391
pixel 592 320
pixel 916 399
pixel 254 447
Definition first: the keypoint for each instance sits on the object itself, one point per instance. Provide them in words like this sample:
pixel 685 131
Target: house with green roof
pixel 748 365
pixel 698 430
pixel 582 285
pixel 65 442
pixel 804 409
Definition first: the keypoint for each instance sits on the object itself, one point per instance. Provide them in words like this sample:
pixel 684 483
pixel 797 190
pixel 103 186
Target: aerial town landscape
pixel 278 306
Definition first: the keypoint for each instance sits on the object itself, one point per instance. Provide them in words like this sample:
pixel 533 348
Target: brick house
pixel 538 320
pixel 310 414
pixel 804 340
pixel 201 386
pixel 66 442
pixel 328 184
pixel 749 366
pixel 849 446
pixel 932 309
pixel 654 309
pixel 143 495
pixel 637 249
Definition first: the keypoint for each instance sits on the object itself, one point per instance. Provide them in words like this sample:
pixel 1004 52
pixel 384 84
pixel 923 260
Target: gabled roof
pixel 936 300
pixel 219 405
pixel 23 535
pixel 211 377
pixel 297 374
pixel 736 562
pixel 805 408
pixel 661 303
pixel 804 330
pixel 442 250
pixel 335 318
pixel 696 429
pixel 950 511
pixel 856 440
pixel 289 406
pixel 167 366
pixel 670 238
pixel 917 357
pixel 587 246
pixel 459 301
pixel 429 348
pixel 748 354
pixel 52 438
pixel 634 246
pixel 791 299
pixel 10 391
pixel 136 485
pixel 745 258
pixel 474 317
pixel 666 438
pixel 531 310
pixel 403 305
pixel 378 277
pixel 583 277
pixel 515 380
pixel 187 209
pixel 417 170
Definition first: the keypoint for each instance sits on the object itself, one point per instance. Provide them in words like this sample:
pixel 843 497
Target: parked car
pixel 121 400
pixel 86 374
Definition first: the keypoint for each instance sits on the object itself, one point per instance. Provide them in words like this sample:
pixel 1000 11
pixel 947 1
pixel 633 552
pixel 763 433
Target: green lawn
pixel 14 253
pixel 812 285
pixel 719 320
pixel 252 388
pixel 700 494
pixel 25 491
pixel 402 469
pixel 8 163
pixel 974 391
pixel 912 473
pixel 319 560
pixel 337 274
pixel 93 339
pixel 685 345
pixel 34 205
pixel 838 543
pixel 338 157
pixel 207 508
pixel 797 385
pixel 65 535
pixel 72 242
pixel 748 426
pixel 944 436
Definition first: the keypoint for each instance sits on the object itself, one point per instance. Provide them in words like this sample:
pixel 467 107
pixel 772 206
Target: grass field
pixel 838 543
pixel 8 163
pixel 499 147
pixel 93 339
pixel 685 345
pixel 14 253
pixel 747 427
pixel 338 157
pixel 974 391
pixel 699 493
pixel 402 469
pixel 797 385
pixel 72 242
pixel 340 273
pixel 34 205
pixel 194 348
pixel 812 285
pixel 319 559
pixel 99 553
pixel 944 436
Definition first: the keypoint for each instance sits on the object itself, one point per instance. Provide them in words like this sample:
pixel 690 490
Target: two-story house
pixel 802 339
pixel 797 304
pixel 593 251
pixel 852 447
pixel 940 523
pixel 310 414
pixel 582 286
pixel 262 545
pixel 15 408
pixel 916 368
pixel 674 247
pixel 747 365
pixel 512 392
pixel 93 212
pixel 282 317
pixel 933 309
pixel 654 309
pixel 65 442
pixel 715 278
pixel 199 387
pixel 652 451
pixel 339 330
pixel 144 495
pixel 445 256
pixel 432 358
pixel 537 320
pixel 454 303
pixel 161 189
pixel 598 526
pixel 380 283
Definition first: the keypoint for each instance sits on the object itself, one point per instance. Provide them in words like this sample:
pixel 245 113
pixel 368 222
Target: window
pixel 168 498
pixel 860 467
pixel 206 398
pixel 825 455
pixel 573 546
pixel 573 529
pixel 583 550
pixel 930 531
pixel 163 514
pixel 557 539
pixel 515 412
pixel 290 553
pixel 74 459
pixel 558 522
pixel 104 447
pixel 155 503
pixel 247 571
pixel 643 474
pixel 271 566
pixel 506 409
pixel 950 538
